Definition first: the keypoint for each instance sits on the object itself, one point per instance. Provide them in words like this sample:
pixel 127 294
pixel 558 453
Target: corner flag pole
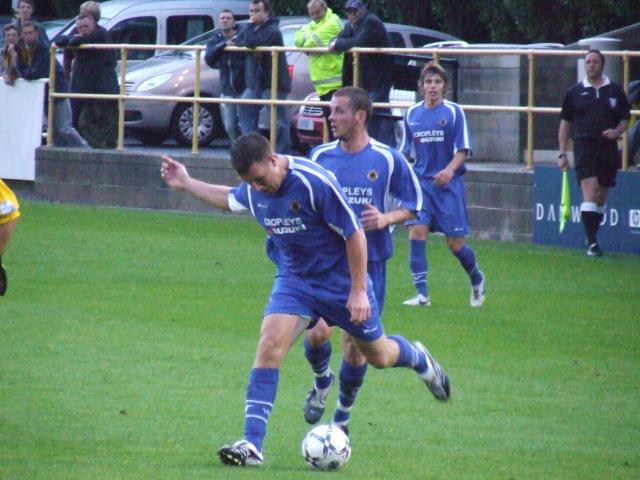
pixel 565 201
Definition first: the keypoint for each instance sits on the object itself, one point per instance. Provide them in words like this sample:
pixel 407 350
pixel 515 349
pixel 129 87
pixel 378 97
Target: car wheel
pixel 182 124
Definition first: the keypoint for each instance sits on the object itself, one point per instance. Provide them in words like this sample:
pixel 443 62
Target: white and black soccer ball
pixel 326 447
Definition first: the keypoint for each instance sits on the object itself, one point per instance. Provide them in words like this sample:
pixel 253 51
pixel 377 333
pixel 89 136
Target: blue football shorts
pixel 444 208
pixel 325 297
pixel 377 271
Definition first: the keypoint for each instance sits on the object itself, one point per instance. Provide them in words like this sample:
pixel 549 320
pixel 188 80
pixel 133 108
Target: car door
pixel 137 30
pixel 181 27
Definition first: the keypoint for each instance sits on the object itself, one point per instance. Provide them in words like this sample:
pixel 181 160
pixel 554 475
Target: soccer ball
pixel 326 447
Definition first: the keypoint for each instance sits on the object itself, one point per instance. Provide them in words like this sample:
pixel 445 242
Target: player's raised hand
pixel 372 218
pixel 173 173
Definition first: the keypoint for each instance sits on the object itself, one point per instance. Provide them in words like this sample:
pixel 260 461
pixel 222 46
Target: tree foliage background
pixel 477 21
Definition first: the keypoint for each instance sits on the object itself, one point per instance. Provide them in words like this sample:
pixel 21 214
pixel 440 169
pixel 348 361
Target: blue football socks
pixel 261 393
pixel 409 356
pixel 467 259
pixel 319 359
pixel 418 265
pixel 351 378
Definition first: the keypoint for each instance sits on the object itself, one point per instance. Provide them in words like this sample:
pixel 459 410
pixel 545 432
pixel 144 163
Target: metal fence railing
pixel 436 53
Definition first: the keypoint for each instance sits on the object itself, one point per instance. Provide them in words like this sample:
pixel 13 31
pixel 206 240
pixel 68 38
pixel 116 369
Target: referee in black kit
pixel 596 110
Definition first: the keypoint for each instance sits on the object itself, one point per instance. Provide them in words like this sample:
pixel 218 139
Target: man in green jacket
pixel 325 69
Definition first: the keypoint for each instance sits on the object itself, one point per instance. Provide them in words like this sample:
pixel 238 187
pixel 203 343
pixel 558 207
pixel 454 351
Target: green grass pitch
pixel 126 338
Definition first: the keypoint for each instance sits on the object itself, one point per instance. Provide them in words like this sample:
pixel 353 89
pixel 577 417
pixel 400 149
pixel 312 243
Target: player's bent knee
pixel 319 335
pixel 377 360
pixel 271 352
pixel 354 357
pixel 418 232
pixel 455 244
pixel 351 354
pixel 379 353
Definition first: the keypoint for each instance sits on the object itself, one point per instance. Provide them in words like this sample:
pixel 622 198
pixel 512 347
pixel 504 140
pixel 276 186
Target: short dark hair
pixel 28 2
pixel 433 68
pixel 597 52
pixel 10 26
pixel 29 23
pixel 248 149
pixel 267 7
pixel 226 10
pixel 360 100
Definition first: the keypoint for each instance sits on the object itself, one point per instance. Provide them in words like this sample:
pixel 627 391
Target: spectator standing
pixel 263 31
pixel 69 55
pixel 9 54
pixel 94 71
pixel 231 68
pixel 325 69
pixel 26 8
pixel 32 64
pixel 595 112
pixel 365 29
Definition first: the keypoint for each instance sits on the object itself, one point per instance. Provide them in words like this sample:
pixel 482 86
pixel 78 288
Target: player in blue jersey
pixel 435 134
pixel 320 253
pixel 382 191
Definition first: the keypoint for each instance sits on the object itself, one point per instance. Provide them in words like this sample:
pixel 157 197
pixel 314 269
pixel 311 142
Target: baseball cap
pixel 353 4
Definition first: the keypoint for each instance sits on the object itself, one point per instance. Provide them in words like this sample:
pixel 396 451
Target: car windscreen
pixel 201 39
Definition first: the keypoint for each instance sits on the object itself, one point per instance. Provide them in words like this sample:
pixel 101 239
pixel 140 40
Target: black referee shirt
pixel 594 110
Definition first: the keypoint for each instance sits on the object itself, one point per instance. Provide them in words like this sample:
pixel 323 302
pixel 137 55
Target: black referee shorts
pixel 596 159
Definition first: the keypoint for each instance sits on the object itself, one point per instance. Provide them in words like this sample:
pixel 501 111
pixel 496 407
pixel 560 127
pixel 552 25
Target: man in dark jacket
pixel 263 31
pixel 9 54
pixel 231 69
pixel 366 30
pixel 94 71
pixel 32 64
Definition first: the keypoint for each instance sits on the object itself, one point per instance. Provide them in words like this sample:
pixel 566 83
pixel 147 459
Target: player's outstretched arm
pixel 358 302
pixel 176 176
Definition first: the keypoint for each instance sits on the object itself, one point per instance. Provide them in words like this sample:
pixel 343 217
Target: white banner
pixel 21 114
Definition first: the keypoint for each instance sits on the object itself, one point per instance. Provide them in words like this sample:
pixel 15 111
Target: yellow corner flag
pixel 565 201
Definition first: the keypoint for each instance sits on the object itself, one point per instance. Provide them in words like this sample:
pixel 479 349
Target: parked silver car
pixel 173 74
pixel 160 22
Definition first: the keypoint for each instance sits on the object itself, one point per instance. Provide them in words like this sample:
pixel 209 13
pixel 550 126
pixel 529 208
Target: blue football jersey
pixel 377 175
pixel 432 136
pixel 307 220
